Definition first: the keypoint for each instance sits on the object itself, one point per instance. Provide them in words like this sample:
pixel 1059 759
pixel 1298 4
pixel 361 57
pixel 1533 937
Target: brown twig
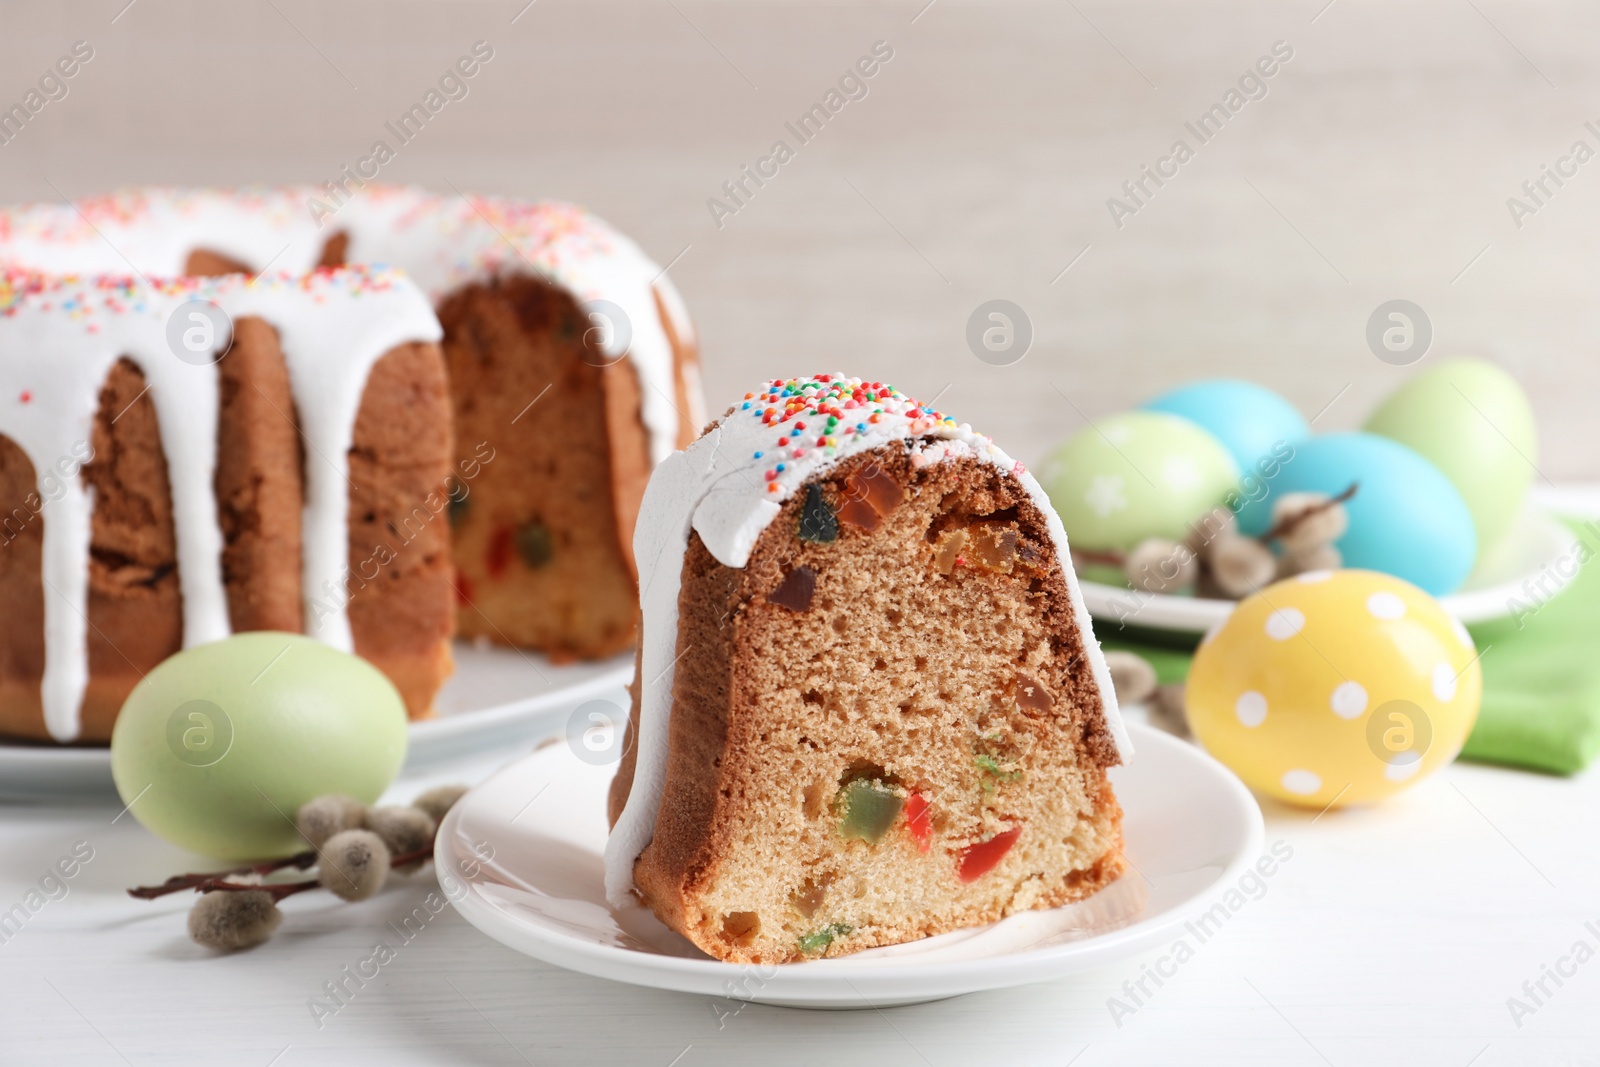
pixel 218 880
pixel 1288 523
pixel 278 890
pixel 412 857
pixel 179 882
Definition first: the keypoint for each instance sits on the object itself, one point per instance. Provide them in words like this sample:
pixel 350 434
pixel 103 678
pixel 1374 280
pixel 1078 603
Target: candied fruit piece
pixel 456 510
pixel 995 770
pixel 858 513
pixel 1032 696
pixel 809 897
pixel 871 493
pixel 535 545
pixel 740 927
pixel 992 547
pixel 498 557
pixel 463 589
pixel 948 554
pixel 867 808
pixel 880 488
pixel 796 590
pixel 819 940
pixel 979 859
pixel 818 523
pixel 919 821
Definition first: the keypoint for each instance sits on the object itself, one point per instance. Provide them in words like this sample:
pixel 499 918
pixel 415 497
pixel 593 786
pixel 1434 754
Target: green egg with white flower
pixel 216 749
pixel 1135 475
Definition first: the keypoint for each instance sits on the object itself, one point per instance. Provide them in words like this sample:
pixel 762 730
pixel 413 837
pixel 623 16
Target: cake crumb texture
pixel 552 429
pixel 884 726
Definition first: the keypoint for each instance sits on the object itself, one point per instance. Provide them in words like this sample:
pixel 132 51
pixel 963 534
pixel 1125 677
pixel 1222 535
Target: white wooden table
pixel 1392 935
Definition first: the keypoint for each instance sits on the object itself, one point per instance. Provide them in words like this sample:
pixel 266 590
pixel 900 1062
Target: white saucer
pixel 520 857
pixel 493 692
pixel 1539 547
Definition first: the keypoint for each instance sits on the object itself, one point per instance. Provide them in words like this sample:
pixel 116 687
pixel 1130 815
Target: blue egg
pixel 1248 419
pixel 1406 519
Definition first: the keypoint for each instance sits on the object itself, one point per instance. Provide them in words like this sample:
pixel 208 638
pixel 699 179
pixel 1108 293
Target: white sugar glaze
pixel 728 487
pixel 442 242
pixel 60 337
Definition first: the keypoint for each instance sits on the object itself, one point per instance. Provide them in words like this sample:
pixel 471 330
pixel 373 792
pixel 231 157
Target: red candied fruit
pixel 919 821
pixel 979 859
pixel 498 558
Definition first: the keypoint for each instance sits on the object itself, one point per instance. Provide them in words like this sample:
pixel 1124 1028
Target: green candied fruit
pixel 818 522
pixel 819 940
pixel 456 510
pixel 995 771
pixel 534 545
pixel 867 809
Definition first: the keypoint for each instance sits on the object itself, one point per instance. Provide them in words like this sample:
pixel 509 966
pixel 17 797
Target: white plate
pixel 520 857
pixel 1533 549
pixel 493 692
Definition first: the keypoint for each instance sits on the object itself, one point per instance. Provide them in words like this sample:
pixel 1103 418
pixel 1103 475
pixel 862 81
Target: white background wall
pixel 978 166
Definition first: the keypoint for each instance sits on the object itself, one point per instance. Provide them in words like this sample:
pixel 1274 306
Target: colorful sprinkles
pixel 475 236
pixel 84 298
pixel 847 407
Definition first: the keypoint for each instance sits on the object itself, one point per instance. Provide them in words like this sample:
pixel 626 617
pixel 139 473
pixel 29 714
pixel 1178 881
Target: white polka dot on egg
pixel 1462 635
pixel 1312 577
pixel 1285 623
pixel 1349 700
pixel 1444 681
pixel 1251 707
pixel 1386 606
pixel 1302 782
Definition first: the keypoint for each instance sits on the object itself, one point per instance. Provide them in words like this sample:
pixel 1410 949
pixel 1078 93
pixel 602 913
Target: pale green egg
pixel 1135 475
pixel 217 748
pixel 1473 421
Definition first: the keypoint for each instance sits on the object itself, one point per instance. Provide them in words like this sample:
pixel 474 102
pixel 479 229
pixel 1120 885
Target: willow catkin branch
pixel 1287 524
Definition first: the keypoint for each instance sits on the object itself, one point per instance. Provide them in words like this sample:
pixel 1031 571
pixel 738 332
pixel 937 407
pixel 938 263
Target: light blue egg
pixel 1406 519
pixel 1248 419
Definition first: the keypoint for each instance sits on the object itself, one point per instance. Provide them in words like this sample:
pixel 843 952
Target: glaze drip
pixel 61 335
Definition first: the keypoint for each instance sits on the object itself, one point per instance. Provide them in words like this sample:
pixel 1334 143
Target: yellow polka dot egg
pixel 1334 688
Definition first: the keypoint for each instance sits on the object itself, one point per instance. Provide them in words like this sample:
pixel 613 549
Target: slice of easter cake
pixel 869 706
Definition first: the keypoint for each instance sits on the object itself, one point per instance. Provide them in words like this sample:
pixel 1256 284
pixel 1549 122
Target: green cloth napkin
pixel 1541 674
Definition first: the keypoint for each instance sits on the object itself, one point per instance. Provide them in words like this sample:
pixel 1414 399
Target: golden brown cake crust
pixel 402 602
pixel 890 669
pixel 259 459
pixel 204 263
pixel 21 595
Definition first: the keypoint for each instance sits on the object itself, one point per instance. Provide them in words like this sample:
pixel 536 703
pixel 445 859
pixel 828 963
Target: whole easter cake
pixel 571 365
pixel 568 372
pixel 869 705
